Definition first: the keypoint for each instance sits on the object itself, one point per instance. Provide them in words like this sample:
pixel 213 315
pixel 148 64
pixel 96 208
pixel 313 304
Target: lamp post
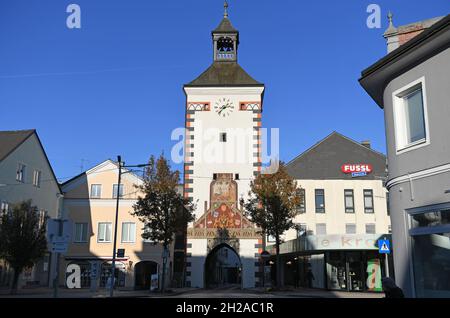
pixel 118 195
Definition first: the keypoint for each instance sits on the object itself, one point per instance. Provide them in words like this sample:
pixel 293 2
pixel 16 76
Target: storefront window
pixel 354 271
pixel 431 250
pixel 432 265
pixel 85 274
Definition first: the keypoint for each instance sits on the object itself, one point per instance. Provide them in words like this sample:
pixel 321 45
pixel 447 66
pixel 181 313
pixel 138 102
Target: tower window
pixel 225 45
pixel 236 176
pixel 223 137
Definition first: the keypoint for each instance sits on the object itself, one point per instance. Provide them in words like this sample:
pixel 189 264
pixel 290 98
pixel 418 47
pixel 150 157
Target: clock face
pixel 224 107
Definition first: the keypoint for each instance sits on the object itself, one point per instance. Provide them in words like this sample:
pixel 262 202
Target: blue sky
pixel 115 85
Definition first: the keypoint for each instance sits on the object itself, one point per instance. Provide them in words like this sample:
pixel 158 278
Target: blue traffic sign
pixel 384 247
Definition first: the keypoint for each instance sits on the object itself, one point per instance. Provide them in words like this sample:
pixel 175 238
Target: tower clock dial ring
pixel 224 107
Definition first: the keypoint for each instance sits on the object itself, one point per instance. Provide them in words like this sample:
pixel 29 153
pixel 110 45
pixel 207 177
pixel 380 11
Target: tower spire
pixel 225 9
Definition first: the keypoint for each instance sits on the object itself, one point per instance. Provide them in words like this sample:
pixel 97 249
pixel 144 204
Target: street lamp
pixel 113 269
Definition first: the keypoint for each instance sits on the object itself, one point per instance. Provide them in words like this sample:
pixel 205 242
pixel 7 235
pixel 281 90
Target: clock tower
pixel 222 155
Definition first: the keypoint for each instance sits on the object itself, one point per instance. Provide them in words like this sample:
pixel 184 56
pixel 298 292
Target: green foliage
pixel 162 209
pixel 23 237
pixel 273 203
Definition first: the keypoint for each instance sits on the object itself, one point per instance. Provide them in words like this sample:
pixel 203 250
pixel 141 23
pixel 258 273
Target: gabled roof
pixel 324 160
pixel 224 74
pixel 11 140
pixel 225 26
pixel 98 167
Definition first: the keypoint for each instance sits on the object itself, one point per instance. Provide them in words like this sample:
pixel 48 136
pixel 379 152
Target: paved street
pixel 225 292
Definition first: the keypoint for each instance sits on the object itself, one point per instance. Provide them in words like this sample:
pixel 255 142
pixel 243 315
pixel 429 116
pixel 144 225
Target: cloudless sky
pixel 115 85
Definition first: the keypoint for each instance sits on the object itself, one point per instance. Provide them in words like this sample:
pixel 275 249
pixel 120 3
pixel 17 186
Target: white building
pixel 343 214
pixel 26 174
pixel 222 155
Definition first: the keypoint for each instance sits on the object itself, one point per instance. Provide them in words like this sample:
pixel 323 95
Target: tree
pixel 272 206
pixel 23 238
pixel 163 210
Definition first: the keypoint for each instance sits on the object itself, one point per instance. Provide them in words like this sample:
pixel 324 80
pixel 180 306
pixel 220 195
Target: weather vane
pixel 225 7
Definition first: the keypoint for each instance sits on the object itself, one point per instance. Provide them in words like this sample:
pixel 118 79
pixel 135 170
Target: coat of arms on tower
pixel 223 212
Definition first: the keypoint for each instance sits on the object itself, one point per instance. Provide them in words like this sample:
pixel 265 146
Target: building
pixel 342 215
pixel 222 154
pixel 90 206
pixel 411 85
pixel 26 174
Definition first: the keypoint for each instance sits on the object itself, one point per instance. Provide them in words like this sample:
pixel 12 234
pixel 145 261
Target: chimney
pixel 397 36
pixel 391 35
pixel 366 143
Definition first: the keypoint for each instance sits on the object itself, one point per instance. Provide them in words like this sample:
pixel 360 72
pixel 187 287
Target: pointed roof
pixel 224 74
pixel 225 26
pixel 98 167
pixel 324 160
pixel 10 140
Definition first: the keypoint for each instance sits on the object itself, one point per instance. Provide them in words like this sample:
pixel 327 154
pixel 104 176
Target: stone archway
pixel 142 274
pixel 223 267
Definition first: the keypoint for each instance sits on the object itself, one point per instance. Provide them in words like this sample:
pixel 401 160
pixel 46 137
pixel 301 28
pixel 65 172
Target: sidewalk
pixel 317 293
pixel 43 292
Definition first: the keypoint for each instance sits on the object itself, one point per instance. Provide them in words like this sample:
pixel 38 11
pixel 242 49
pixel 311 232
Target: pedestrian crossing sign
pixel 384 247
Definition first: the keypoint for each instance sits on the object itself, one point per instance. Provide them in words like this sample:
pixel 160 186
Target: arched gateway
pixel 223 267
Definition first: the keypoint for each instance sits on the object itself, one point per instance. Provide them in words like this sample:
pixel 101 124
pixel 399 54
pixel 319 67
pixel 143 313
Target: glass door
pixel 355 272
pixel 336 271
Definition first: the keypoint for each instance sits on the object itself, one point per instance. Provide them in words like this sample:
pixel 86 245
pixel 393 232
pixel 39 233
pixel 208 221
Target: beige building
pixel 343 214
pixel 26 174
pixel 90 205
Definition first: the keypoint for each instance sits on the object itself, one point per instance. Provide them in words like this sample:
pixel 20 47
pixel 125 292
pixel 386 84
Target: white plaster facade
pixel 335 216
pixel 45 195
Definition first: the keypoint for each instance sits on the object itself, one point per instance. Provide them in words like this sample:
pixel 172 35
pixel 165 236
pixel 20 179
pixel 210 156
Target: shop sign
pixel 357 170
pixel 330 242
pixel 154 282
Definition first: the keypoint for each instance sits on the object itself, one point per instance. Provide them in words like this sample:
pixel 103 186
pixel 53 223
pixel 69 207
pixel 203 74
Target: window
pixel 370 228
pixel 223 137
pixel 320 201
pixel 115 187
pixel 42 217
pixel 387 204
pixel 321 229
pixel 128 232
pixel 37 178
pixel 350 228
pixel 4 207
pixel 147 230
pixel 368 201
pixel 349 201
pixel 430 232
pixel 410 115
pixel 301 230
pixel 96 191
pixel 301 208
pixel 20 174
pixel 389 229
pixel 104 232
pixel 80 232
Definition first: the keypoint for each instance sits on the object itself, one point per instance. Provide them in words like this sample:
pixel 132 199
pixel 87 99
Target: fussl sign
pixel 359 167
